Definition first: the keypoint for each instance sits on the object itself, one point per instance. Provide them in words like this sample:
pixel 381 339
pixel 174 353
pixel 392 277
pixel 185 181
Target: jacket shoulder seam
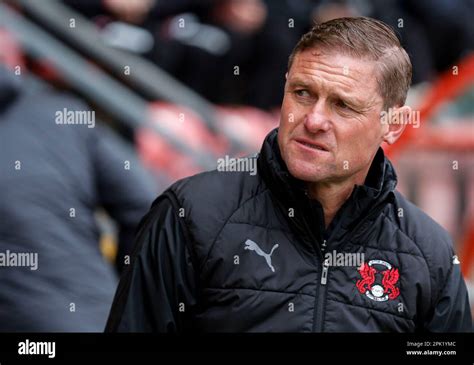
pixel 204 261
pixel 225 223
pixel 262 226
pixel 411 239
pixel 432 281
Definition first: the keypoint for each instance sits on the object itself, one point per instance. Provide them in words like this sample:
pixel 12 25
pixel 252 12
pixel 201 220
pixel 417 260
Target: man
pixel 53 179
pixel 228 251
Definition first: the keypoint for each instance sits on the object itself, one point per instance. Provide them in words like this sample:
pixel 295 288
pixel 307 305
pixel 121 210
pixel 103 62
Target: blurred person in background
pixel 436 34
pixel 54 177
pixel 231 51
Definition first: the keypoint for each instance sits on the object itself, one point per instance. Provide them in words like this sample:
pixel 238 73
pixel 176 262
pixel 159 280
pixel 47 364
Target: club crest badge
pixel 378 280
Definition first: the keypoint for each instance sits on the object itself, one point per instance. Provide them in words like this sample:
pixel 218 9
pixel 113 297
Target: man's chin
pixel 306 172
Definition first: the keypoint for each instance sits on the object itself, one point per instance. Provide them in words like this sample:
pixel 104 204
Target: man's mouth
pixel 312 145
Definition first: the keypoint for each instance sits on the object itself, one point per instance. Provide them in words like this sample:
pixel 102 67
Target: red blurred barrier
pixel 440 192
pixel 11 54
pixel 247 124
pixel 447 87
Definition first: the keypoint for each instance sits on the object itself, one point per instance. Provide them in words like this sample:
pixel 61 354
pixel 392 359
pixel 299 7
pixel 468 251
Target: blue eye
pixel 302 92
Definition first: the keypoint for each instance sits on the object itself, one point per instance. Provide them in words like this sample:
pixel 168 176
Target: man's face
pixel 330 120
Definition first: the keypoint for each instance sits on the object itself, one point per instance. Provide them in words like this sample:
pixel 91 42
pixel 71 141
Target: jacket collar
pixel 379 185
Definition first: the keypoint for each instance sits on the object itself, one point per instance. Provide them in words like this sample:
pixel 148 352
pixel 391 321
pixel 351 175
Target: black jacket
pixel 228 251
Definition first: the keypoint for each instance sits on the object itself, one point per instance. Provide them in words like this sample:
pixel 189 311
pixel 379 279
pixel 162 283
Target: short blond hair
pixel 368 39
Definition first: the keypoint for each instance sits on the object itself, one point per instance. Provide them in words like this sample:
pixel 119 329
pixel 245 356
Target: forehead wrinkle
pixel 314 62
pixel 312 79
pixel 330 68
pixel 325 75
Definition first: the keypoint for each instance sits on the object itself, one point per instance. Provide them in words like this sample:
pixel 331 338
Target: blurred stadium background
pixel 182 83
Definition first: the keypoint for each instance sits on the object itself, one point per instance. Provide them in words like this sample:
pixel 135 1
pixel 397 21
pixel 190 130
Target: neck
pixel 332 195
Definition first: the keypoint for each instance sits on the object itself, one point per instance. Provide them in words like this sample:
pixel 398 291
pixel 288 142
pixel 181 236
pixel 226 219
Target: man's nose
pixel 317 118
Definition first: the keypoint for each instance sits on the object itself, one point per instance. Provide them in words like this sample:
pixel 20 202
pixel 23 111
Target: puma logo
pixel 252 246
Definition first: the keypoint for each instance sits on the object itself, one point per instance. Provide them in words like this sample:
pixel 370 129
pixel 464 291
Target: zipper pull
pixel 323 248
pixel 324 273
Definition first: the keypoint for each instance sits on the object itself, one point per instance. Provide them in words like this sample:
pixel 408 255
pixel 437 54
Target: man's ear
pixel 397 118
pixel 286 76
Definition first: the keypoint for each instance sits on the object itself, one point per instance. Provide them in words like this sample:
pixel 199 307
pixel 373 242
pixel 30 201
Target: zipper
pixel 320 289
pixel 320 299
pixel 324 273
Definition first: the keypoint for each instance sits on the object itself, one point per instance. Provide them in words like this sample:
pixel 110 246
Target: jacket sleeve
pixel 452 311
pixel 157 291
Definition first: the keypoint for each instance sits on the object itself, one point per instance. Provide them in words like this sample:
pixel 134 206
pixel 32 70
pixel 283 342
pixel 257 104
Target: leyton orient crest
pixel 378 280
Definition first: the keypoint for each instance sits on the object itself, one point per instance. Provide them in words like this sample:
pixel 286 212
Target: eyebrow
pixel 298 82
pixel 351 100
